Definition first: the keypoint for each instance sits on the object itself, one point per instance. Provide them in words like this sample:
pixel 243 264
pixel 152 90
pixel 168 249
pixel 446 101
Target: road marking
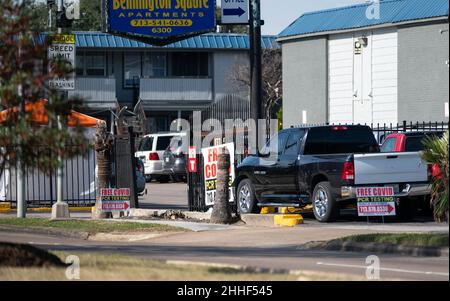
pixel 383 269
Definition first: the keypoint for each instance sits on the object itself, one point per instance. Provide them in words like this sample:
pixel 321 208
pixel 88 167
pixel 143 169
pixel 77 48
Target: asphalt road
pixel 165 196
pixel 257 247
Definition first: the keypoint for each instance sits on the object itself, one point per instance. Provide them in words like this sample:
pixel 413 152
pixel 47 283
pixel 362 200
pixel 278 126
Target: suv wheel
pixel 246 199
pixel 326 209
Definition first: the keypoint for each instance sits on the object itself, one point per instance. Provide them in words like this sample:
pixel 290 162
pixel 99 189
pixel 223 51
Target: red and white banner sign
pixel 192 159
pixel 365 192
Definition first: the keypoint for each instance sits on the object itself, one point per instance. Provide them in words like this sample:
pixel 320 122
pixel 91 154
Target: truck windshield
pixel 321 141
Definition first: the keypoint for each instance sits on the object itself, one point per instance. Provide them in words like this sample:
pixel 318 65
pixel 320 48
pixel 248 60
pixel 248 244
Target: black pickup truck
pixel 324 166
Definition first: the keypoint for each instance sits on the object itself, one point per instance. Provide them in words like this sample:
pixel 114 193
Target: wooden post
pixel 222 212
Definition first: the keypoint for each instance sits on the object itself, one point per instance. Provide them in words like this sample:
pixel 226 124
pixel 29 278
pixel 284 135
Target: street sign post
pixel 63 47
pixel 235 12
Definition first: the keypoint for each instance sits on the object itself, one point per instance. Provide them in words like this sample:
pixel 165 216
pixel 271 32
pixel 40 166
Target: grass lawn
pixel 407 239
pixel 106 267
pixel 90 226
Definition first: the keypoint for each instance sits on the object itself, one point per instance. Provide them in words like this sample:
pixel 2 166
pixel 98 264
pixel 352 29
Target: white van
pixel 151 151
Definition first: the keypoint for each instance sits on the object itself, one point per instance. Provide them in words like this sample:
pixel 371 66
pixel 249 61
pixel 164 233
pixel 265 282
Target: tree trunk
pixel 103 145
pixel 222 212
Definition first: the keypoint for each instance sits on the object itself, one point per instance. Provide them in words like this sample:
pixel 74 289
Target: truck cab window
pixel 293 143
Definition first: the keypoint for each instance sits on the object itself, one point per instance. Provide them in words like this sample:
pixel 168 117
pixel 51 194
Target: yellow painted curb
pixel 48 210
pixel 288 220
pixel 267 210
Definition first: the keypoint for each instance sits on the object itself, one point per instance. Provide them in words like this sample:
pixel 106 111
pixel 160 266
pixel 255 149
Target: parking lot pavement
pixel 165 196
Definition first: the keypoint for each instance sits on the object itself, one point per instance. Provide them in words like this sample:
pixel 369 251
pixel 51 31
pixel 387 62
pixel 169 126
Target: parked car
pixel 174 159
pixel 324 166
pixel 407 142
pixel 140 177
pixel 151 150
pixel 413 142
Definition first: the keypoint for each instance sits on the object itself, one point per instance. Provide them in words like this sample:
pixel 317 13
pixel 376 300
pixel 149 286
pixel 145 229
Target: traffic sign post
pixel 235 12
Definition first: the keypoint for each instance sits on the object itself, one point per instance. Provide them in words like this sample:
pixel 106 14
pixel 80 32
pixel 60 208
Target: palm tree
pixel 436 153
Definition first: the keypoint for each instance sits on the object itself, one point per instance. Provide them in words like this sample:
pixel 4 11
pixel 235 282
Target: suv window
pixel 389 145
pixel 293 143
pixel 163 142
pixel 146 145
pixel 340 140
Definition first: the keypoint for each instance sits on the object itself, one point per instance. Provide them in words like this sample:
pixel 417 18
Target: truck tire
pixel 325 206
pixel 245 198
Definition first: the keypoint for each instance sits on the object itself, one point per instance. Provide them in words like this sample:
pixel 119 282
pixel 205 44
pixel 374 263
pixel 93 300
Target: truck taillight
pixel 434 170
pixel 340 128
pixel 348 172
pixel 153 157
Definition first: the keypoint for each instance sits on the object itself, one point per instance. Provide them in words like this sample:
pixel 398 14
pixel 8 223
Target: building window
pixel 190 64
pixel 95 64
pixel 132 68
pixel 155 64
pixel 90 64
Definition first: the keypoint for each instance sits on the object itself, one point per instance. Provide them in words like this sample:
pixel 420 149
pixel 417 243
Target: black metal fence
pixel 196 192
pixel 79 183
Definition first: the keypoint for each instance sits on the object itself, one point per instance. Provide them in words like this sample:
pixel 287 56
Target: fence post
pixel 404 125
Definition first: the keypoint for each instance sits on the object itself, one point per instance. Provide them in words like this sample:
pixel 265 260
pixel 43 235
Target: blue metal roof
pixel 205 41
pixel 353 17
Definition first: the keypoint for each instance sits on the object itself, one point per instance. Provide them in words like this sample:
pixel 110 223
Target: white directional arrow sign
pixel 235 11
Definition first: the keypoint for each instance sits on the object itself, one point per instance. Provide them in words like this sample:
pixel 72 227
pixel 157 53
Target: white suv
pixel 151 150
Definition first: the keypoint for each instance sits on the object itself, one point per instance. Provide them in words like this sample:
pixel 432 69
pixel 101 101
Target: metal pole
pixel 60 209
pixel 255 61
pixel 21 201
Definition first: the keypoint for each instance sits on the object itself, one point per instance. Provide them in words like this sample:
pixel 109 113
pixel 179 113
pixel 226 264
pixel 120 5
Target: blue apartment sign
pixel 160 21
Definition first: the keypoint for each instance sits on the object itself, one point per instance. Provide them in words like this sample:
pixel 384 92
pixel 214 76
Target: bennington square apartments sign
pixel 160 21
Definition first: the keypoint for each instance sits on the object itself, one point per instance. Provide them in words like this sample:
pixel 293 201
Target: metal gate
pixel 79 183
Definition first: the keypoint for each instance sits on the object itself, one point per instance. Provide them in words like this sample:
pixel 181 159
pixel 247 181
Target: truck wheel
pixel 326 208
pixel 246 199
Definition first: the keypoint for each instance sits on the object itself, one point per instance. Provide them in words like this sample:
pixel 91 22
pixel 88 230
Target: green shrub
pixel 437 153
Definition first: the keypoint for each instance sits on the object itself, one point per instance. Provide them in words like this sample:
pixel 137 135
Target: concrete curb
pixel 47 231
pixel 377 248
pixel 151 213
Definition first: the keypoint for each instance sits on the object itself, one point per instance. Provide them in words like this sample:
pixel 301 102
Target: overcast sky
pixel 278 14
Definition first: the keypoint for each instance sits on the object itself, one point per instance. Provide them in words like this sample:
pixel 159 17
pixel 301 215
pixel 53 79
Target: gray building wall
pixel 305 81
pixel 423 76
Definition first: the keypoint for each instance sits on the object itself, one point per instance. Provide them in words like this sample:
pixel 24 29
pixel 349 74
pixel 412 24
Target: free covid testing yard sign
pixel 115 199
pixel 168 20
pixel 210 159
pixel 376 201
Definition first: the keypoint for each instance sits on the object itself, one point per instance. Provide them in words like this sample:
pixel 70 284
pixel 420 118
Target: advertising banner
pixel 210 158
pixel 376 201
pixel 160 21
pixel 115 199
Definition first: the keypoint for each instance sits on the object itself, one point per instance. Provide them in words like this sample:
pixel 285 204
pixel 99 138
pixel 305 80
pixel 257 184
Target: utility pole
pixel 60 209
pixel 255 65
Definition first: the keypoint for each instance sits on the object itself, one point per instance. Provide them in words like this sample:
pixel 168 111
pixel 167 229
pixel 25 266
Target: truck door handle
pixel 391 157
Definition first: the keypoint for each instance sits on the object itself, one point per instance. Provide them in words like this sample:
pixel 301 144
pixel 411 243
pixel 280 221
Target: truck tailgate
pixel 384 168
